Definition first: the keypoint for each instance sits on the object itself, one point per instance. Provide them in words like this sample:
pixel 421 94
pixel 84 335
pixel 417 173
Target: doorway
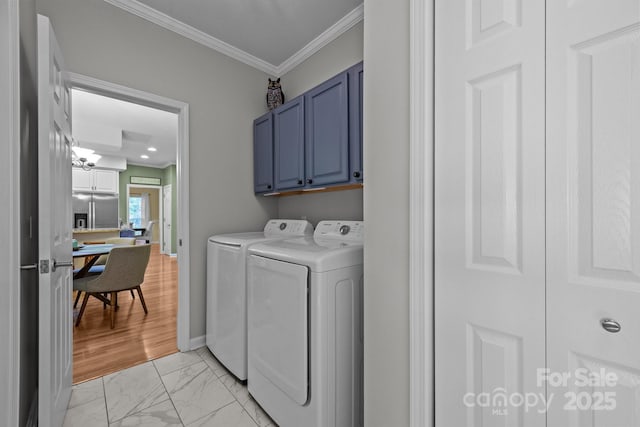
pixel 180 188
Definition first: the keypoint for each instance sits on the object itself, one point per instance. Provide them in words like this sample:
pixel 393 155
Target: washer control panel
pixel 288 227
pixel 348 231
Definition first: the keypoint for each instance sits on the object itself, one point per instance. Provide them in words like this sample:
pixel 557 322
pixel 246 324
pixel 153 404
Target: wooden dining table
pixel 90 253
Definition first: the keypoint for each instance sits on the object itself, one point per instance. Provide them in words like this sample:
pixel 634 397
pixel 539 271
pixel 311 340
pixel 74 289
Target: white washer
pixel 226 289
pixel 305 327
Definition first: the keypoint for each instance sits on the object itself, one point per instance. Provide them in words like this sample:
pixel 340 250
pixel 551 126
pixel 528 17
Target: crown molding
pixel 172 24
pixel 336 30
pixel 165 21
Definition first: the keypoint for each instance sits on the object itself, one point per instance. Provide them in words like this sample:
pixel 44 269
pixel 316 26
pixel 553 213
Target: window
pixel 139 215
pixel 135 211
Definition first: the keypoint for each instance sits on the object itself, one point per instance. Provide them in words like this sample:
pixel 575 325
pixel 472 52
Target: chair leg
pixel 142 300
pixel 113 309
pixel 116 306
pixel 84 305
pixel 132 294
pixel 75 303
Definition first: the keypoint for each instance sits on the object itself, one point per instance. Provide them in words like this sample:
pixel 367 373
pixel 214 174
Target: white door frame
pixel 421 285
pixel 153 187
pixel 162 218
pixel 124 93
pixel 10 217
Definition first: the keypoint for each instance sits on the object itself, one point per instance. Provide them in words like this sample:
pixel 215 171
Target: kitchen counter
pixel 83 235
pixel 95 230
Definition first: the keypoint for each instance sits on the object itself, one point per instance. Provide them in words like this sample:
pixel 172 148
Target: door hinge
pixel 179 242
pixel 44 266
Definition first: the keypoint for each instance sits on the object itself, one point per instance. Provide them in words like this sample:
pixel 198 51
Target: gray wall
pixel 346 205
pixel 105 42
pixel 28 209
pixel 386 206
pixel 335 57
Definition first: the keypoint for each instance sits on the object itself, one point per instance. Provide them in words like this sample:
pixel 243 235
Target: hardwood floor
pixel 99 350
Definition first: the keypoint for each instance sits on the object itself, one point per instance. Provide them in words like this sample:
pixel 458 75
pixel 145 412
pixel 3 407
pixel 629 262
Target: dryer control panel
pixel 348 231
pixel 288 227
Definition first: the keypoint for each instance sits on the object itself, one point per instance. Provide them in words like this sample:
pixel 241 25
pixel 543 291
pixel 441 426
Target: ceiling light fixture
pixel 144 156
pixel 152 149
pixel 83 158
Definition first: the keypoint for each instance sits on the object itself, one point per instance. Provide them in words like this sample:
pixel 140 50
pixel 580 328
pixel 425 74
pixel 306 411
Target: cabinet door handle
pixel 268 187
pixel 356 174
pixel 309 181
pixel 610 325
pixel 299 182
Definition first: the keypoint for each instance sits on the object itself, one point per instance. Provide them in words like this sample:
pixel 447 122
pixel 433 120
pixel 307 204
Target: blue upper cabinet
pixel 327 132
pixel 356 75
pixel 288 127
pixel 313 141
pixel 263 154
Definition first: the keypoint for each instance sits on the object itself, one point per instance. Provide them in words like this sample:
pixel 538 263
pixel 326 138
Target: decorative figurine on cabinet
pixel 275 96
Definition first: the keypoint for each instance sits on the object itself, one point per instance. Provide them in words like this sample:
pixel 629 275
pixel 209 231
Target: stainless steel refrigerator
pixel 92 210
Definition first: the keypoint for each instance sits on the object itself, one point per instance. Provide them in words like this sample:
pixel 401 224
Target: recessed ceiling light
pixel 152 149
pixel 144 156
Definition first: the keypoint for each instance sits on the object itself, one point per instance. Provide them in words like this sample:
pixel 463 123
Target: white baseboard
pixel 197 342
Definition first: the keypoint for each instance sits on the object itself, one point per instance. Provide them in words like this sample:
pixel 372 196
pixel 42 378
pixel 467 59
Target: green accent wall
pixel 167 176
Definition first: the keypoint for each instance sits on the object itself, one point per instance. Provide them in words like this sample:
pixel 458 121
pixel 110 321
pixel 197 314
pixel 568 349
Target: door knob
pixel 309 181
pixel 610 325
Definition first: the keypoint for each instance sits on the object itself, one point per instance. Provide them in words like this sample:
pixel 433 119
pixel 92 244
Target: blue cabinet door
pixel 356 74
pixel 288 125
pixel 327 132
pixel 263 154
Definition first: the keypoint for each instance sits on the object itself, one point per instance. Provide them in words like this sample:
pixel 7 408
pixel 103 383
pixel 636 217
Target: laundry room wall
pixel 386 197
pixel 332 59
pixel 224 96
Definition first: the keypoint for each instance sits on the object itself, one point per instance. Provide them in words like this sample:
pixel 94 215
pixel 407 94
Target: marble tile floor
pixel 183 389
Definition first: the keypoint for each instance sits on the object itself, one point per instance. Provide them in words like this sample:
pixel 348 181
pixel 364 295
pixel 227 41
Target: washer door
pixel 226 306
pixel 278 324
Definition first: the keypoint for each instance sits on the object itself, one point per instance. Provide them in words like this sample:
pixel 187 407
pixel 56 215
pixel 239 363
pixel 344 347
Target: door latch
pixel 44 266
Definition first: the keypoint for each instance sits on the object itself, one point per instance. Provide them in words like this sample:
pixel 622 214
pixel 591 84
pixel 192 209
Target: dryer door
pixel 278 324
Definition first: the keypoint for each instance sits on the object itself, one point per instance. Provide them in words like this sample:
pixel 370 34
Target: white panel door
pixel 593 225
pixel 166 219
pixel 54 212
pixel 489 210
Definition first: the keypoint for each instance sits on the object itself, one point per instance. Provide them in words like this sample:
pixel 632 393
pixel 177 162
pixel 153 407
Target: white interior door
pixel 166 219
pixel 54 199
pixel 593 190
pixel 489 209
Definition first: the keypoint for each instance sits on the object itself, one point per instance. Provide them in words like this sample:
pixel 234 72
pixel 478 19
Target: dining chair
pixel 148 232
pixel 124 271
pixel 98 266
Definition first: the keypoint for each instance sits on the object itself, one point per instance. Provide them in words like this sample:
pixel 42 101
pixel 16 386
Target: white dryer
pixel 226 289
pixel 305 362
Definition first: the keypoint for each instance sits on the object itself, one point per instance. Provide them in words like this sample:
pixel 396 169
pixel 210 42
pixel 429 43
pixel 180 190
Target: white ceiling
pixel 122 129
pixel 272 35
